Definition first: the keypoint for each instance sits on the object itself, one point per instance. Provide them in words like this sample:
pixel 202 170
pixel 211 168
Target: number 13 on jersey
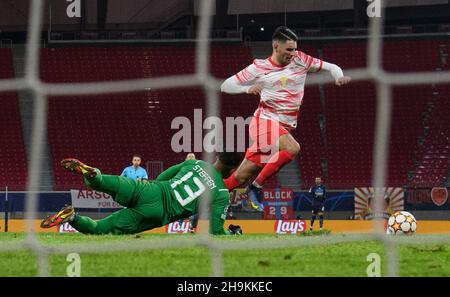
pixel 189 194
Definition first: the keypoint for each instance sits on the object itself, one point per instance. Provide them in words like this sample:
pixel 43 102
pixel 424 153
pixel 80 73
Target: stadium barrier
pixel 263 226
pixel 337 200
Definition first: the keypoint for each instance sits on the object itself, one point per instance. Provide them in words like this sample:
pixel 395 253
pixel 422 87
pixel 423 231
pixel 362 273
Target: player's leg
pixel 321 217
pixel 123 190
pixel 249 167
pixel 253 165
pixel 313 217
pixel 277 147
pixel 245 172
pixel 147 214
pixel 124 221
pixel 288 149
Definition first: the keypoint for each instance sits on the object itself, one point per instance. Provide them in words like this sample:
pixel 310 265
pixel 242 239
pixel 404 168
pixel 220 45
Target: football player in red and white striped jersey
pixel 279 81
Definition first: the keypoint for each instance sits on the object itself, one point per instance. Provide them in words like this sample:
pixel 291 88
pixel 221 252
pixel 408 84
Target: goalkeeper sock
pixel 231 182
pixel 321 221
pixel 275 163
pixel 86 225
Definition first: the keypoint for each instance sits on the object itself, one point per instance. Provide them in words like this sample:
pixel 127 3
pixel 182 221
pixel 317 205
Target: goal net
pixel 202 78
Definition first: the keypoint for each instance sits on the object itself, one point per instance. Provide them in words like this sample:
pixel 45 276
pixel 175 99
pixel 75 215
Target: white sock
pixel 256 185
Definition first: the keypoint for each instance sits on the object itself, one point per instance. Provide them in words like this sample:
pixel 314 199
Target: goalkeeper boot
pixel 77 166
pixel 255 193
pixel 66 214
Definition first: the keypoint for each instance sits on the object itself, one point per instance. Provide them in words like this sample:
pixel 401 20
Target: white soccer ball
pixel 401 223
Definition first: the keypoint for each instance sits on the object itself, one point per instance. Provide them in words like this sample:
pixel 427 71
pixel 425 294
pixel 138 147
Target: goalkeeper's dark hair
pixel 283 34
pixel 229 159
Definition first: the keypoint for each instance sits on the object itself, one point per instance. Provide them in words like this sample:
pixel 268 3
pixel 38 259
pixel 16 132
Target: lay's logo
pixel 66 228
pixel 289 226
pixel 176 227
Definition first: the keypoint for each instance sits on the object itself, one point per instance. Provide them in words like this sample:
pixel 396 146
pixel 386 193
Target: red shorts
pixel 264 134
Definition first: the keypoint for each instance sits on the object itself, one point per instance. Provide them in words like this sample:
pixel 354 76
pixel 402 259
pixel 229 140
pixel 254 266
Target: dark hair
pixel 283 33
pixel 230 159
pixel 136 155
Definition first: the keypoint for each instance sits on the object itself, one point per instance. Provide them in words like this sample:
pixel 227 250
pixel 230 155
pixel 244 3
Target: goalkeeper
pixel 175 194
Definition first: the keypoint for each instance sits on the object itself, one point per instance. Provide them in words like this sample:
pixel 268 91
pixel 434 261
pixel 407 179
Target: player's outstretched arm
pixel 217 220
pixel 233 86
pixel 243 82
pixel 337 73
pixel 218 216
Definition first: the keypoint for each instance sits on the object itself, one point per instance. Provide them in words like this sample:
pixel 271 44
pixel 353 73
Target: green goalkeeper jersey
pixel 184 186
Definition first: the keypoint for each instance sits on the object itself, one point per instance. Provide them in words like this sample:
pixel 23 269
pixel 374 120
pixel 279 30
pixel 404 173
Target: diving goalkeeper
pixel 175 194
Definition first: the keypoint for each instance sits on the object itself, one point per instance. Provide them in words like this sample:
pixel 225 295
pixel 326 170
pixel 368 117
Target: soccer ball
pixel 401 223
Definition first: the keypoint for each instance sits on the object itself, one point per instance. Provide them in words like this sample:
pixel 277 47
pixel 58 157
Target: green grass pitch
pixel 343 259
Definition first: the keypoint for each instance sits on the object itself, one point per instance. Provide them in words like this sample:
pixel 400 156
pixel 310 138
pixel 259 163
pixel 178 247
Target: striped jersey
pixel 283 90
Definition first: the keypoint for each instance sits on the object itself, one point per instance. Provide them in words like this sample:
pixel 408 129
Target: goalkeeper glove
pixel 235 229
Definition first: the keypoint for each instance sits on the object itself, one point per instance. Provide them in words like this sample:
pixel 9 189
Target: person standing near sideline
pixel 135 171
pixel 318 192
pixel 190 156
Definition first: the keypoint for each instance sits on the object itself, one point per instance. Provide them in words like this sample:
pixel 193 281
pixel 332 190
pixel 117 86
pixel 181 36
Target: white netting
pixel 203 78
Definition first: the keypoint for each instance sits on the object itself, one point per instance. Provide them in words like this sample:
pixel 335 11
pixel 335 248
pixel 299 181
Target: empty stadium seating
pixel 12 151
pixel 433 157
pixel 411 55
